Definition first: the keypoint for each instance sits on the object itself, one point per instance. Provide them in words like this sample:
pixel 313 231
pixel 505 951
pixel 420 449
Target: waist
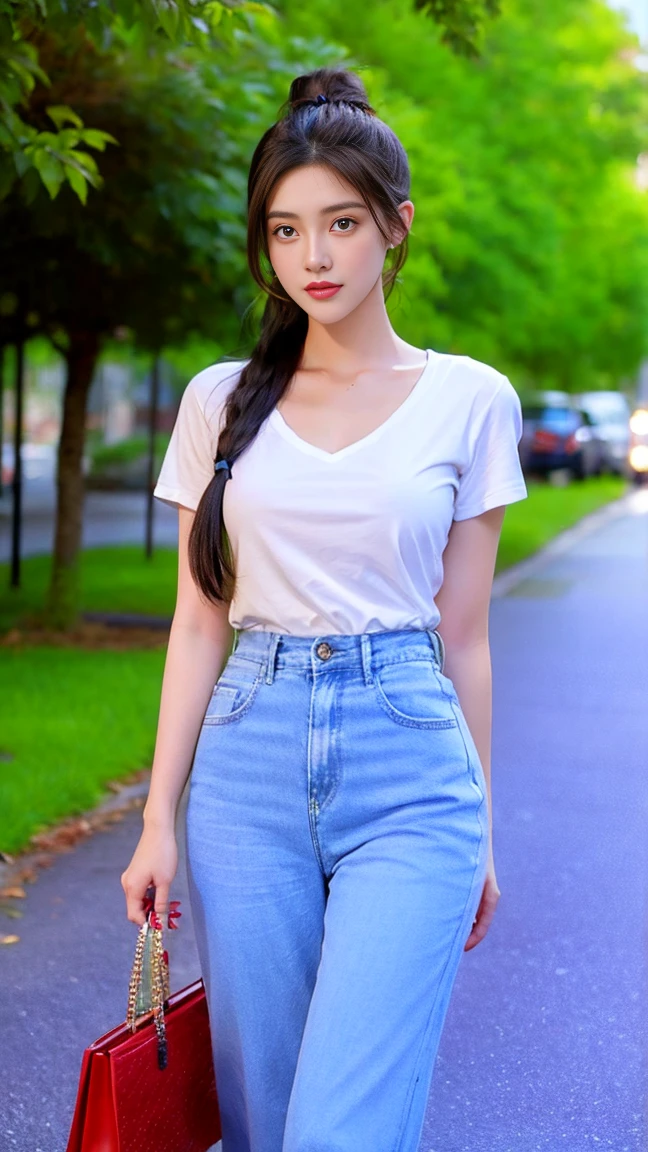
pixel 335 651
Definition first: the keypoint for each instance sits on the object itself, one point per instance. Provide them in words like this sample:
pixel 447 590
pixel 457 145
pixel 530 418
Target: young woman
pixel 340 495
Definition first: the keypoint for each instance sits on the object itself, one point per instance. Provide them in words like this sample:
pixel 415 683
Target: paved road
pixel 545 1039
pixel 108 518
pixel 546 1035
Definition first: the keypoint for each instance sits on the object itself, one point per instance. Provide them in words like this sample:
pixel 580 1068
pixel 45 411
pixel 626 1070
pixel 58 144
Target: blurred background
pixel 125 138
pixel 126 132
pixel 126 135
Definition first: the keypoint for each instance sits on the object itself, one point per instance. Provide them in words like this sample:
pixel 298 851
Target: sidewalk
pixel 545 1034
pixel 67 979
pixel 108 518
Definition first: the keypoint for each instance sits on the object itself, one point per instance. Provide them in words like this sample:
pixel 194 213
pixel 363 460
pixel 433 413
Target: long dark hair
pixel 346 134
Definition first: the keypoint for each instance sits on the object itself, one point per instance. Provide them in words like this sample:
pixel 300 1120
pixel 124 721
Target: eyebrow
pixel 323 212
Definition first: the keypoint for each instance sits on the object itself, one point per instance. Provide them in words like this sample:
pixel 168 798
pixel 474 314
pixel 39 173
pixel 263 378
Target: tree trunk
pixel 63 601
pixel 150 470
pixel 17 482
pixel 2 364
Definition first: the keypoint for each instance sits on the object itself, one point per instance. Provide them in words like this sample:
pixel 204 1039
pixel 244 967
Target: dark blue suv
pixel 558 434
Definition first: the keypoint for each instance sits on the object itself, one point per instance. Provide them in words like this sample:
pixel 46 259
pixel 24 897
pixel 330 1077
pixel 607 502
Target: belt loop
pixel 441 649
pixel 438 646
pixel 275 637
pixel 365 651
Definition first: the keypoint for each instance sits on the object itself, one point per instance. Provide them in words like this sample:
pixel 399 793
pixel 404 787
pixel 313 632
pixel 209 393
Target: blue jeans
pixel 337 843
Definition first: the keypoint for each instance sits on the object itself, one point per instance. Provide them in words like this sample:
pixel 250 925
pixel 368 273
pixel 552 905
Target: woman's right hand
pixel 154 862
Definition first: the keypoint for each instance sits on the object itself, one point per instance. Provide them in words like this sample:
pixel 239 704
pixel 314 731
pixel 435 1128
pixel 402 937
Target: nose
pixel 317 258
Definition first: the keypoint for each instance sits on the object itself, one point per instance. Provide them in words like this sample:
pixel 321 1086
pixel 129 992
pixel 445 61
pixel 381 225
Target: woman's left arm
pixel 463 601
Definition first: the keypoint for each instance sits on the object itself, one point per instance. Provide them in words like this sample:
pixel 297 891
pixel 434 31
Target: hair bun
pixel 337 85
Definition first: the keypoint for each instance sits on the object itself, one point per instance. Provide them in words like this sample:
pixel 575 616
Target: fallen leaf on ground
pixel 45 846
pixel 91 635
pixel 9 939
pixel 15 893
pixel 11 911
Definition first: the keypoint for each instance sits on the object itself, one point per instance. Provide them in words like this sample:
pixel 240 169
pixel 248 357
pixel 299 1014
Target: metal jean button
pixel 324 650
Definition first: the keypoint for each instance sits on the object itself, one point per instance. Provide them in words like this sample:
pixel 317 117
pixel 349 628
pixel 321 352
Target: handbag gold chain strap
pixel 149 985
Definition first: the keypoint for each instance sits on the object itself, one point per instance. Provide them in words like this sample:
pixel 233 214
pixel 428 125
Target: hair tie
pixel 322 99
pixel 223 464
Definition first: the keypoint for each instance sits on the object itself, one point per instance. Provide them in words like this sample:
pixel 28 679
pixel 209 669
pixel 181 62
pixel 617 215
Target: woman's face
pixel 318 229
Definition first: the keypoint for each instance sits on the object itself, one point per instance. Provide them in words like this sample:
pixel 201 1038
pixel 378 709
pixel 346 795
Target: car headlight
pixel 639 422
pixel 638 458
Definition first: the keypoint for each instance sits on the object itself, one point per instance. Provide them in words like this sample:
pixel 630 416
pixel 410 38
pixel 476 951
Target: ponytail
pixel 328 121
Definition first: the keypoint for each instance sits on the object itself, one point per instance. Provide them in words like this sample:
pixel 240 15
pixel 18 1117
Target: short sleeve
pixel 188 464
pixel 493 475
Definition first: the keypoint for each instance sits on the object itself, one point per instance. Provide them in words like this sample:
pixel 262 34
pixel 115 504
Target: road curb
pixel 128 620
pixel 510 577
pixel 65 835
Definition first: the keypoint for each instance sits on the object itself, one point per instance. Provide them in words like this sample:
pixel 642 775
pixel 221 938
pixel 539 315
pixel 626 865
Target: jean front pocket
pixel 410 693
pixel 234 691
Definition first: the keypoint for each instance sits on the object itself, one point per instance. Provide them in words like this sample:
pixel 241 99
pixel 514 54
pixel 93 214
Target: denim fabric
pixel 337 842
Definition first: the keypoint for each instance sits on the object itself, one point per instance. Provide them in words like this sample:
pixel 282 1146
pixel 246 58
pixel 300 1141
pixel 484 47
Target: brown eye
pixel 346 220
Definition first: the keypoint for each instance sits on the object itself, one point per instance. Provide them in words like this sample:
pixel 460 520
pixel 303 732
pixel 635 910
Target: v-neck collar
pixel 278 422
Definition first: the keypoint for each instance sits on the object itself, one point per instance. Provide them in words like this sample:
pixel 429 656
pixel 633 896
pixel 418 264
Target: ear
pixel 406 213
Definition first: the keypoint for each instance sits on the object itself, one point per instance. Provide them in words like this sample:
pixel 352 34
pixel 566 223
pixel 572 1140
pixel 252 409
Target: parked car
pixel 610 413
pixel 38 461
pixel 556 433
pixel 638 450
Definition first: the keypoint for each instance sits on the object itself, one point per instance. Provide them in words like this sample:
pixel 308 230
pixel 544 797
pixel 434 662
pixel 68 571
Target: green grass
pixel 113 579
pixel 549 510
pixel 72 720
pixel 75 719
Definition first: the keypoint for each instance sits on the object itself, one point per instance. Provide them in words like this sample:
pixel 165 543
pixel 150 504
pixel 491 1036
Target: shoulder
pixel 476 381
pixel 476 394
pixel 208 390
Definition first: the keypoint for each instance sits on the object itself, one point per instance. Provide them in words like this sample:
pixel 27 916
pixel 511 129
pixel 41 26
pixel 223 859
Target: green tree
pixel 529 243
pixel 58 151
pixel 160 250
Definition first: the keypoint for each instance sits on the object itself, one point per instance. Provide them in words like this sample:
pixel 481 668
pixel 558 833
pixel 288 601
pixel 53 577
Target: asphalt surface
pixel 108 518
pixel 545 1040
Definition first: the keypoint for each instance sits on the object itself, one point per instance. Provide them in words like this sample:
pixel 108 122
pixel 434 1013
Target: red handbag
pixel 148 1085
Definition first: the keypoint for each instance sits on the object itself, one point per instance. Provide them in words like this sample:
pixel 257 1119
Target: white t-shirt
pixel 351 541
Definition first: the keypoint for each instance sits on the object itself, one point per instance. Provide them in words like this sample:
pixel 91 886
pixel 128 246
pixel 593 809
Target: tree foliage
pixel 60 151
pixel 159 250
pixel 529 245
pixel 463 26
pixel 530 241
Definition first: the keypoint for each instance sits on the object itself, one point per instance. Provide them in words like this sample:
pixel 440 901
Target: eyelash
pixel 278 229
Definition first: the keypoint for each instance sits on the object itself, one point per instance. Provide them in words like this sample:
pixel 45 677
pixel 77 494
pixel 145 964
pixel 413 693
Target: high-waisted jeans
pixel 337 844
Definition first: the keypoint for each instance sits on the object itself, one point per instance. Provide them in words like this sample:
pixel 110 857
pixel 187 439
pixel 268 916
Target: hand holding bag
pixel 148 1085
